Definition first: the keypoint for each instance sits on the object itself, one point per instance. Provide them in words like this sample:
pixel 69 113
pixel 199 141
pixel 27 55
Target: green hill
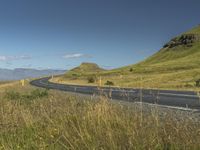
pixel 176 65
pixel 182 52
pixel 87 68
pixel 80 74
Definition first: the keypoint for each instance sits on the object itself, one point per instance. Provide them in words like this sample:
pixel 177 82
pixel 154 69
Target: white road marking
pixel 171 107
pixel 185 95
pixel 118 90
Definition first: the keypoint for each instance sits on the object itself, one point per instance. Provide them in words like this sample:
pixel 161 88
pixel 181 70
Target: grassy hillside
pixel 195 30
pixel 81 74
pixel 87 67
pixel 84 69
pixel 175 66
pixel 35 119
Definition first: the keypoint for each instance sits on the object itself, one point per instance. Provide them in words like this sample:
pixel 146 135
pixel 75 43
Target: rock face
pixel 185 39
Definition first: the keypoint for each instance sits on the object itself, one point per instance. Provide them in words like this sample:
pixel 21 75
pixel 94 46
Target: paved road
pixel 185 99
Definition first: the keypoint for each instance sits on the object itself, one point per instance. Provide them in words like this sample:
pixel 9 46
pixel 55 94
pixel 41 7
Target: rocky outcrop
pixel 185 39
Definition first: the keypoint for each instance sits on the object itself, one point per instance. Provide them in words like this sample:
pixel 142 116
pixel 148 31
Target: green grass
pixel 84 69
pixel 60 120
pixel 195 30
pixel 169 68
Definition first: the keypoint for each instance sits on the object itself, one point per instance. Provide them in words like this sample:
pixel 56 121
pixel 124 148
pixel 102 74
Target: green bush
pixel 110 83
pixel 91 79
pixel 74 76
pixel 131 70
pixel 198 83
pixel 188 85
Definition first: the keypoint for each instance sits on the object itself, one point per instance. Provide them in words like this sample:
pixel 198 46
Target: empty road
pixel 180 99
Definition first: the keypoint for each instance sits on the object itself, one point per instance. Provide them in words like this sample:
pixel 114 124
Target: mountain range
pixel 23 73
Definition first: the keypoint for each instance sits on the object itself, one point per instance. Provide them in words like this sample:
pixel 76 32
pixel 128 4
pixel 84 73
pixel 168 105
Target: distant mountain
pixel 22 73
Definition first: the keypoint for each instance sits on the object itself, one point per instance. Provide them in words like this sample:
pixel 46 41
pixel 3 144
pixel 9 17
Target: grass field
pixel 170 68
pixel 34 118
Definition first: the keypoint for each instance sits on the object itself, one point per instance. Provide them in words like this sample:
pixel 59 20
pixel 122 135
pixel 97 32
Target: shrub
pixel 110 83
pixel 188 85
pixel 131 70
pixel 198 83
pixel 91 79
pixel 74 76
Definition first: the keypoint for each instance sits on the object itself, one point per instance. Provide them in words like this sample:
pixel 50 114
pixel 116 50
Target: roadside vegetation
pixel 34 118
pixel 175 66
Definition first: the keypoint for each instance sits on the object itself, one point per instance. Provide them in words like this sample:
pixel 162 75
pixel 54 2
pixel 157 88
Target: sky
pixel 60 34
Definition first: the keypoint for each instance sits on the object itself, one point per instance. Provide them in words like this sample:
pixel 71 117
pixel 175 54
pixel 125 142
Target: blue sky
pixel 60 34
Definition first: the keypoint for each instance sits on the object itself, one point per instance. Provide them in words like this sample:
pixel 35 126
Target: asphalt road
pixel 179 99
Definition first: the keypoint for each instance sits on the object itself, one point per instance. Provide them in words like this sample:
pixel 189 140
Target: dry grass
pixel 65 121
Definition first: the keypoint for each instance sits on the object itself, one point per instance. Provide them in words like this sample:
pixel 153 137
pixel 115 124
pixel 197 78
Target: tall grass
pixel 65 121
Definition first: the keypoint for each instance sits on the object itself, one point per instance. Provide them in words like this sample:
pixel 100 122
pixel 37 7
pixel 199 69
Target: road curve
pixel 180 99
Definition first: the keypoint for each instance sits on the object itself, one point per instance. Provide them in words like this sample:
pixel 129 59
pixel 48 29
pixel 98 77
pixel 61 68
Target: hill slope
pixel 182 52
pixel 176 65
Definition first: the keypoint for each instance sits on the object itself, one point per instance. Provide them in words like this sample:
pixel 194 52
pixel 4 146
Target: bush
pixel 74 76
pixel 188 85
pixel 131 70
pixel 91 79
pixel 198 83
pixel 110 83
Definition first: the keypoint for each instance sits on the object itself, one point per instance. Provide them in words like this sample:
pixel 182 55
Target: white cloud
pixel 76 55
pixel 11 58
pixel 3 58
